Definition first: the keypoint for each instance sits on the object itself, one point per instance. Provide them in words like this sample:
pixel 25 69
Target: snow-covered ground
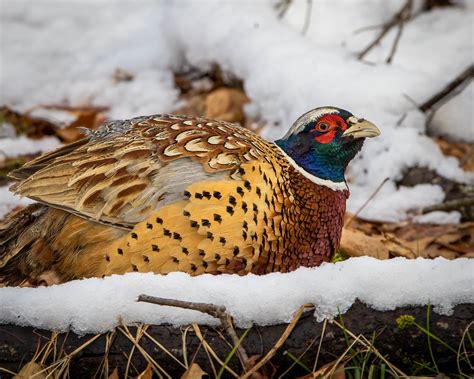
pixel 57 52
pixel 97 305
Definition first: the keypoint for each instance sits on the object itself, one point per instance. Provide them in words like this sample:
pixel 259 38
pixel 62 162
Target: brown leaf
pixel 194 372
pixel 31 369
pixel 464 152
pixel 114 374
pixel 324 371
pixel 147 373
pixel 355 243
pixel 226 104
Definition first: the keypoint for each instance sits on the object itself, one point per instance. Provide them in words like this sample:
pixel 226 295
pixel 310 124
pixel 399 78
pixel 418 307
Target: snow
pixel 98 305
pixel 71 59
pixel 17 146
pixel 8 202
pixel 455 118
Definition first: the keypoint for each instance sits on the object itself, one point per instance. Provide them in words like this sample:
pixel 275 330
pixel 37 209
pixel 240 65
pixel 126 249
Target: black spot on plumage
pixel 259 192
pixel 210 236
pixel 230 210
pixel 232 200
pixel 175 260
pixel 217 195
pixel 186 213
pixel 107 258
pixel 185 250
pixel 266 201
pixel 193 267
pixel 201 252
pixel 198 195
pixel 166 232
pixel 205 222
pixel 227 261
pixel 245 225
pixel 206 194
pixel 245 208
pixel 134 236
pixel 187 194
pixel 177 236
pixel 159 220
pixel 205 264
pixel 265 218
pixel 255 220
pixel 134 268
pixel 241 171
pixel 146 259
pixel 149 226
pixel 247 185
pixel 217 256
pixel 240 191
pixel 244 235
pixel 155 248
pixel 265 178
pixel 120 251
pixel 217 218
pixel 222 240
pixel 194 224
pixel 236 251
pixel 255 208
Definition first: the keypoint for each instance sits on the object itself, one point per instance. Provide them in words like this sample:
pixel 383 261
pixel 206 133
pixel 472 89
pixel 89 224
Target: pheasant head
pixel 323 141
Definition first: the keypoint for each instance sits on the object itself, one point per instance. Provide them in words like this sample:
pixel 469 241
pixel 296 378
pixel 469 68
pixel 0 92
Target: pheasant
pixel 168 193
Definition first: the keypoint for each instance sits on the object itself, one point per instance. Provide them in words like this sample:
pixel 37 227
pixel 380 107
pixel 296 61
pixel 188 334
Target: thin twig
pixel 211 309
pixel 361 208
pixel 449 205
pixel 401 16
pixel 467 74
pixel 307 19
pixel 396 41
pixel 279 343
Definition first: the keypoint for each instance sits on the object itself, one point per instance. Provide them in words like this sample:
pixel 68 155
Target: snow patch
pixel 98 305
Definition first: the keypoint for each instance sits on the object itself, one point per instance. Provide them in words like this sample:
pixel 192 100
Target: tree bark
pixel 401 347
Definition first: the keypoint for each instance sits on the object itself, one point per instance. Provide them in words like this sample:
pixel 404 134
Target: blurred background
pixel 406 65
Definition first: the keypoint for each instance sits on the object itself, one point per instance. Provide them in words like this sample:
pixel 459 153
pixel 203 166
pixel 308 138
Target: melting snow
pixel 97 305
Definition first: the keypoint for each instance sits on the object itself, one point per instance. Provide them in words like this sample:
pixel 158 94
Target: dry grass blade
pixel 209 349
pixel 366 343
pixel 464 355
pixel 320 344
pixel 211 309
pixel 164 349
pixel 279 343
pixel 136 342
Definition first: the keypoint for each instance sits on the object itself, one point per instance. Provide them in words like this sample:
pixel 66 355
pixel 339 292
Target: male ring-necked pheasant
pixel 170 193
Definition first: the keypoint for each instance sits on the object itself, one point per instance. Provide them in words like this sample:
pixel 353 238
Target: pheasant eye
pixel 322 127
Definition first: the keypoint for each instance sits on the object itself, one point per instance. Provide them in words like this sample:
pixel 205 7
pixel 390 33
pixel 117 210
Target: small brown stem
pixel 212 310
pixel 467 74
pixel 279 343
pixel 367 202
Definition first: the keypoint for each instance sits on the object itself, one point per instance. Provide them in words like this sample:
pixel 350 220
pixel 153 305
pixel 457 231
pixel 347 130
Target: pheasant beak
pixel 360 128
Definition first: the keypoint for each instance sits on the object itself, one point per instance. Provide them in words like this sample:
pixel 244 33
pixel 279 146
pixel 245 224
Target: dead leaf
pixel 464 152
pixel 355 243
pixel 324 371
pixel 194 372
pixel 114 374
pixel 226 104
pixel 147 373
pixel 31 369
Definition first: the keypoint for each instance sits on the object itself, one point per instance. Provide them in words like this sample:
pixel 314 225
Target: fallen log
pixel 402 346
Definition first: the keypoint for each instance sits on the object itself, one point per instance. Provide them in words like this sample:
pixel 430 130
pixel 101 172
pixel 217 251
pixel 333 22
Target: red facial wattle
pixel 334 123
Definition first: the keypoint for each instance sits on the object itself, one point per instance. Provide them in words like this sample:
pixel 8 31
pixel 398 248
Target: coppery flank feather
pixel 172 193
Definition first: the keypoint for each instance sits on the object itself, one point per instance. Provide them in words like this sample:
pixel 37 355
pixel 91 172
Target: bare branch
pixel 399 18
pixel 466 75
